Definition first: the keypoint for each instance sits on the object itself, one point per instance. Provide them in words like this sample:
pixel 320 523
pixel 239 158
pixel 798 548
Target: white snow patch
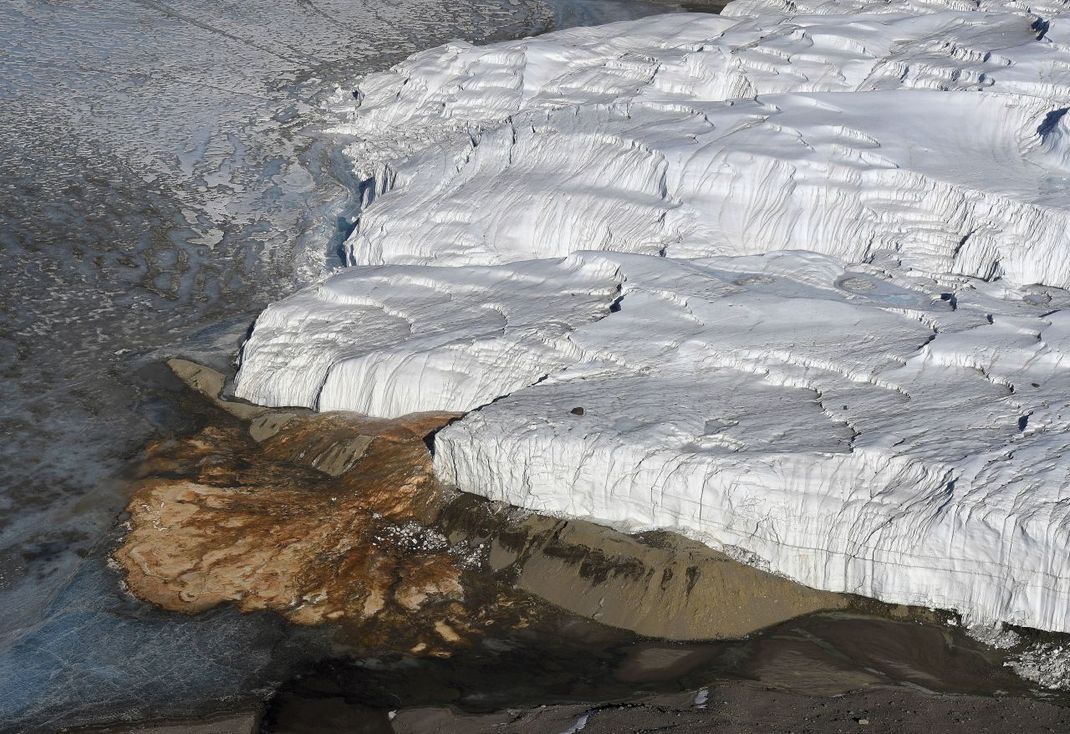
pixel 578 725
pixel 995 636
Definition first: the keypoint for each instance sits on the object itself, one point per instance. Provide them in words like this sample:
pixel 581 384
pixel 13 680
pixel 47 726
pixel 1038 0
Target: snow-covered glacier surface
pixel 939 139
pixel 854 431
pixel 789 281
pixel 392 340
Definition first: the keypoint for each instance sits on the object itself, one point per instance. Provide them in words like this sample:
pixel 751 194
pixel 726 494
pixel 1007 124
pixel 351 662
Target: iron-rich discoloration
pixel 335 517
pixel 325 520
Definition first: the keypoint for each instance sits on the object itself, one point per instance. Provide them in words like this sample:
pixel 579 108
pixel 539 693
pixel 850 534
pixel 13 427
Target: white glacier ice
pixel 855 433
pixel 393 340
pixel 853 135
pixel 788 281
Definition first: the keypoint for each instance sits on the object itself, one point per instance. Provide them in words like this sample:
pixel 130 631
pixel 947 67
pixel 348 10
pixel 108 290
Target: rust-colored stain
pixel 326 520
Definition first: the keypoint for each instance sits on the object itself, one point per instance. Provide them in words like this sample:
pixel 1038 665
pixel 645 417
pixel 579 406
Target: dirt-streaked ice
pixel 790 284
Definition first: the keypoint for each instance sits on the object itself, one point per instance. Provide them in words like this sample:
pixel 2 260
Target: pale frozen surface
pixel 856 429
pixel 790 284
pixel 391 340
pixel 850 430
pixel 856 136
pixel 164 174
pixel 1045 663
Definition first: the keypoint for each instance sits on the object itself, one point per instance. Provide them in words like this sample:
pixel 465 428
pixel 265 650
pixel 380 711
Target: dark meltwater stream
pixel 162 181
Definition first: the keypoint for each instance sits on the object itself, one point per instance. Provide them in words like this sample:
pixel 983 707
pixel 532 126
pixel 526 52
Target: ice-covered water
pixel 162 179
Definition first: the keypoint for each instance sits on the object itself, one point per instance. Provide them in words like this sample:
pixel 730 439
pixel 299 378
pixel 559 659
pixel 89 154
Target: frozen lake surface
pixel 163 179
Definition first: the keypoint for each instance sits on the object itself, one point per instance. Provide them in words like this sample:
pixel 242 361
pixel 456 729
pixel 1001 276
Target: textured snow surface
pixel 393 340
pixel 788 281
pixel 854 432
pixel 853 135
pixel 860 430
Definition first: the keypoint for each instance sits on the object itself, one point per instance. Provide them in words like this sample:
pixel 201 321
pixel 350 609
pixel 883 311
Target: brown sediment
pixel 741 707
pixel 235 722
pixel 656 584
pixel 338 517
pixel 325 520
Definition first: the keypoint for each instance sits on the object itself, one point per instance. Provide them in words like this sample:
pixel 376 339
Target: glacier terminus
pixel 791 281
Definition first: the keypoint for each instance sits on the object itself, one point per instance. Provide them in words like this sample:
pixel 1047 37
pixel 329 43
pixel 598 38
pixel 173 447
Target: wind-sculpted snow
pixel 392 340
pixel 937 139
pixel 776 8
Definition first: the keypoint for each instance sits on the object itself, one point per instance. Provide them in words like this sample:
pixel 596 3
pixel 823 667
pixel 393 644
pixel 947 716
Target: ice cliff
pixel 392 340
pixel 853 431
pixel 786 280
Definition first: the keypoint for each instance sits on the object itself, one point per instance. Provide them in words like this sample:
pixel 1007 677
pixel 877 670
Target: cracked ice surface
pixel 851 431
pixel 783 265
pixel 856 429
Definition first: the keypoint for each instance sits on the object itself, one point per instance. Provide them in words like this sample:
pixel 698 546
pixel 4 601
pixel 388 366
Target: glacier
pixel 853 432
pixel 706 135
pixel 387 341
pixel 790 281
